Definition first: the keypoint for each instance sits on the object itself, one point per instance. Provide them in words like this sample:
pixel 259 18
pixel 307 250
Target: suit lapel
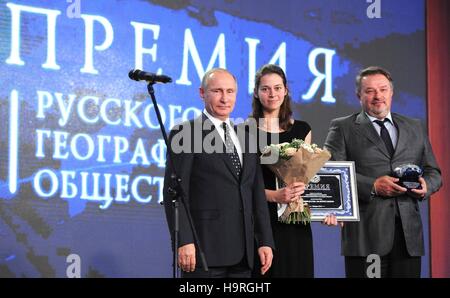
pixel 365 128
pixel 402 133
pixel 244 141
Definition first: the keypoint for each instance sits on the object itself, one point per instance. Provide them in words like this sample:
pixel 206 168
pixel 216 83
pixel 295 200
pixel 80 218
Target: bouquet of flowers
pixel 297 161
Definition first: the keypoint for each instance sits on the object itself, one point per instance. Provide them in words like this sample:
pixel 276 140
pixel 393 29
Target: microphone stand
pixel 177 194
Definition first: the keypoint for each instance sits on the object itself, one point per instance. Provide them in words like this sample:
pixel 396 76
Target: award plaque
pixel 333 190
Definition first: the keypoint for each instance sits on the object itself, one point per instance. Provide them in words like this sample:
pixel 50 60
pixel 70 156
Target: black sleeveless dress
pixel 293 255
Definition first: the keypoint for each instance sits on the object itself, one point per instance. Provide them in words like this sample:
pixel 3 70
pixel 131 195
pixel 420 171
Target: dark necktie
pixel 231 150
pixel 384 134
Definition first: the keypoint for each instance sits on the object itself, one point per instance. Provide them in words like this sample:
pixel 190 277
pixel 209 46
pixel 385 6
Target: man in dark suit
pixel 223 186
pixel 378 141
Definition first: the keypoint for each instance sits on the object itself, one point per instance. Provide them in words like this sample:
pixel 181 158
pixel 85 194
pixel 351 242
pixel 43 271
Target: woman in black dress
pixel 271 108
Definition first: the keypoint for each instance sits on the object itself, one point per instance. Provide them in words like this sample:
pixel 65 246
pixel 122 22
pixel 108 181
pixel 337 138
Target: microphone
pixel 139 75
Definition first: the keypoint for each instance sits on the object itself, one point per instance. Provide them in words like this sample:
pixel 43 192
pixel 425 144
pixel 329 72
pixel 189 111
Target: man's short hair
pixel 369 71
pixel 213 70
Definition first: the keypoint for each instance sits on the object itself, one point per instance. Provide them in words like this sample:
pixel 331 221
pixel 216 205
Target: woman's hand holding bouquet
pixel 295 164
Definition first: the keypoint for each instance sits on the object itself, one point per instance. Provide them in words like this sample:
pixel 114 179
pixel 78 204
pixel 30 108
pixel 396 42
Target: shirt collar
pixel 216 121
pixel 388 116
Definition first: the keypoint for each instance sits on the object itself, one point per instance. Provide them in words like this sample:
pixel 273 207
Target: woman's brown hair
pixel 285 113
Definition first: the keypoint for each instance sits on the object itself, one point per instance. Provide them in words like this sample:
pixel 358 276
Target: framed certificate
pixel 333 190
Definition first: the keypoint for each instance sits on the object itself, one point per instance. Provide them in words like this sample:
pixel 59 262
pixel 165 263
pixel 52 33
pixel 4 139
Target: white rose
pixel 290 151
pixel 266 150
